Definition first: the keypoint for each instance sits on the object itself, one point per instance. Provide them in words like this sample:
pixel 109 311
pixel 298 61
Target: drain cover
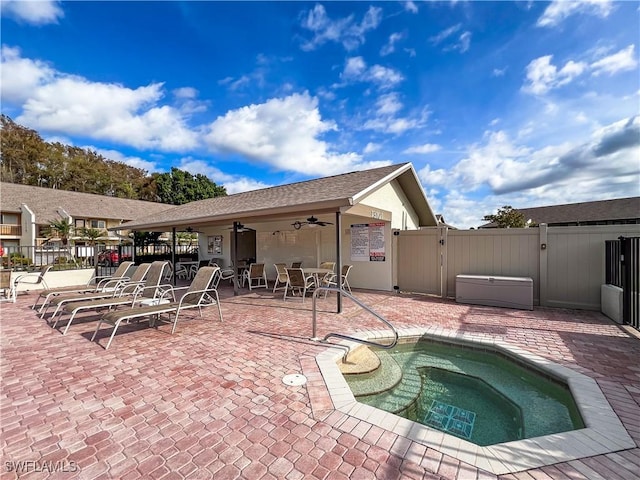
pixel 294 380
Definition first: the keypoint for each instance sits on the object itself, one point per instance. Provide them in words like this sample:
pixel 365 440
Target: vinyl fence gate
pixel 623 270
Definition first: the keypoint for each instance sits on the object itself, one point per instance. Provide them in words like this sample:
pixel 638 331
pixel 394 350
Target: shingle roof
pixel 45 202
pixel 320 194
pixel 618 209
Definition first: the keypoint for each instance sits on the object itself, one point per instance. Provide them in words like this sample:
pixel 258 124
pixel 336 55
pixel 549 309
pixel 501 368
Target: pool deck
pixel 209 401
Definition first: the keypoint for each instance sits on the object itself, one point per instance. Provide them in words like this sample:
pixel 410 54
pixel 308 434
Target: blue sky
pixel 495 103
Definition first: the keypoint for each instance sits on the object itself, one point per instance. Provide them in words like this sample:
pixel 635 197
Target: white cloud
pixel 411 7
pixel 56 102
pixel 500 171
pixel 618 62
pixel 499 72
pixel 371 148
pixel 346 31
pixel 543 76
pixel 519 175
pixel 388 104
pixel 462 43
pixel 390 46
pixel 187 100
pixel 117 156
pixel 558 10
pixel 356 70
pixel 444 34
pixel 383 116
pixel 284 133
pixel 232 183
pixel 39 12
pixel 185 92
pixel 435 178
pixel 21 76
pixel 426 148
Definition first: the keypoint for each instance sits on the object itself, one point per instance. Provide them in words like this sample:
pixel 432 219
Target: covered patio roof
pixel 324 195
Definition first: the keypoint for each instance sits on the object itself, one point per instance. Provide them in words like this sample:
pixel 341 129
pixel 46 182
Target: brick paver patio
pixel 209 401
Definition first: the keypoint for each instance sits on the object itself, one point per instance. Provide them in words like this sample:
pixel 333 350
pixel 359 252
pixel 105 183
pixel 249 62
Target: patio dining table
pixel 191 267
pixel 317 273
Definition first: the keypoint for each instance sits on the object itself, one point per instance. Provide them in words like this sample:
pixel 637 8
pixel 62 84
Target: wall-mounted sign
pixel 367 242
pixel 214 245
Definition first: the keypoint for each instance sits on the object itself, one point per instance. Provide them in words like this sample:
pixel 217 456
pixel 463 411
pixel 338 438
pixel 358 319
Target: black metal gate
pixel 623 270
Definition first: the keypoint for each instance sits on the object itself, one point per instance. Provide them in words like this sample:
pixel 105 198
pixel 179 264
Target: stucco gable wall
pixel 391 197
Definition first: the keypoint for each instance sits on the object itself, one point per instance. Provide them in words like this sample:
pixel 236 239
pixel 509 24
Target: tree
pixel 145 238
pixel 507 217
pixel 61 228
pixel 91 234
pixel 179 187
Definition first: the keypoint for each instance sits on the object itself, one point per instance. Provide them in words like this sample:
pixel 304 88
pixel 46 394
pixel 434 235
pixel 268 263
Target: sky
pixel 494 103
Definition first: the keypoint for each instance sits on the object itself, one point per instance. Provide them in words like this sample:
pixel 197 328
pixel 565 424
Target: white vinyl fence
pixel 567 264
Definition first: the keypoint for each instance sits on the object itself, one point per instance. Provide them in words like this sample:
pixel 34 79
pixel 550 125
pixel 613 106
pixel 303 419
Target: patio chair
pixel 256 273
pixel 6 287
pixel 151 292
pixel 168 273
pixel 328 265
pixel 296 281
pixel 33 278
pixel 198 295
pixel 296 265
pixel 281 276
pixel 332 281
pixel 223 274
pixel 135 281
pixel 95 284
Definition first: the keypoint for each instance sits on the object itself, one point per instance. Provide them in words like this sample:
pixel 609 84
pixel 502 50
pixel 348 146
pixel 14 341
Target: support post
pixel 339 260
pixel 173 255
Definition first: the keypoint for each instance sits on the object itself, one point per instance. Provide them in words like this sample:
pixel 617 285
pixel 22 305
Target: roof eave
pixel 262 214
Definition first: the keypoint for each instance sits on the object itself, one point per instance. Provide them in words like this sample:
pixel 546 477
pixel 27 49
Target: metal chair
pixel 281 276
pixel 33 278
pixel 344 281
pixel 296 281
pixel 256 273
pixel 6 287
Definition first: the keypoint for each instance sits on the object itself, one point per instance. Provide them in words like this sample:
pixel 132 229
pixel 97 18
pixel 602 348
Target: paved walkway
pixel 209 401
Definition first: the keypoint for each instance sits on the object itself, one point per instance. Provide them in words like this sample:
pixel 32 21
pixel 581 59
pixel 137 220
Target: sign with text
pixel 367 242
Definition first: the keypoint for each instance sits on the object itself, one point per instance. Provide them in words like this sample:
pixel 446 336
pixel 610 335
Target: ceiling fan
pixel 242 228
pixel 311 221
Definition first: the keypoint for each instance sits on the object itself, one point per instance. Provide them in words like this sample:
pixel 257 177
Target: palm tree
pixel 91 234
pixel 60 228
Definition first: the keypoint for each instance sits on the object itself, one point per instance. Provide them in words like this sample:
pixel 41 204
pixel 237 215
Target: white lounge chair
pixel 199 294
pixel 150 292
pixel 136 280
pixel 96 284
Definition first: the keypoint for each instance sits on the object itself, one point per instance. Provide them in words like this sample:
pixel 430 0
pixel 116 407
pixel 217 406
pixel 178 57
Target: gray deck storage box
pixel 510 292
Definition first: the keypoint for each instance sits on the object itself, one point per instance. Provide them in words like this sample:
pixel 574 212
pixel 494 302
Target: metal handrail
pixel 341 291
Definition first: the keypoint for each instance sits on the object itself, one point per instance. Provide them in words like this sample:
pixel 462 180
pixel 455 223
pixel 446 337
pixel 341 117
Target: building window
pixel 80 223
pixel 9 219
pixel 98 224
